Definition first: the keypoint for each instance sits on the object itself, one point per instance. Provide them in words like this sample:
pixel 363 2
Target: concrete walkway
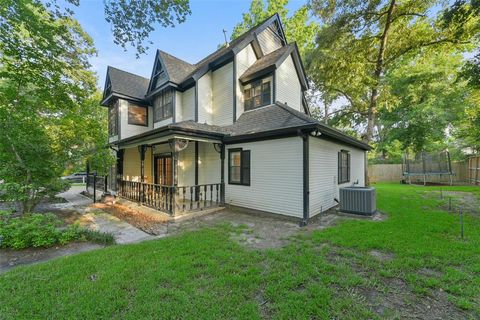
pixel 96 219
pixel 123 232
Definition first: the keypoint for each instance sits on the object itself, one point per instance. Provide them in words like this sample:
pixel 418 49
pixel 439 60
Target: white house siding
pixel 188 105
pixel 131 165
pixel 205 108
pixel 208 164
pixel 222 90
pixel 178 106
pixel 276 177
pixel 129 130
pixel 269 42
pixel 323 158
pixel 288 88
pixel 243 60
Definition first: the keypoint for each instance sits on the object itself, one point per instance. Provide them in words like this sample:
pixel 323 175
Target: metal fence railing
pixel 96 183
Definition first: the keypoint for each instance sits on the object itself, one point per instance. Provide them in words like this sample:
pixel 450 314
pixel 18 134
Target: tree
pixel 360 41
pixel 45 87
pixel 427 98
pixel 133 21
pixel 298 27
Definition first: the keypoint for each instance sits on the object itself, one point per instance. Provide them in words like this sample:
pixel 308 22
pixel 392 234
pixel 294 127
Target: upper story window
pixel 163 105
pixel 113 119
pixel 137 115
pixel 343 166
pixel 257 94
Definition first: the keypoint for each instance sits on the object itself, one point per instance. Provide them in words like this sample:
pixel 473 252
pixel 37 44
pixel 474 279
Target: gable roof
pixel 125 84
pixel 266 63
pixel 228 51
pixel 177 69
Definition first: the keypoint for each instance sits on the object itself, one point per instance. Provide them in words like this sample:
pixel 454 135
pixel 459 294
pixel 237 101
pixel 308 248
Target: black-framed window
pixel 239 166
pixel 257 94
pixel 163 106
pixel 343 166
pixel 113 119
pixel 137 115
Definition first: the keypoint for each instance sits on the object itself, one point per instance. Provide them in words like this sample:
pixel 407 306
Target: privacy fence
pixel 464 172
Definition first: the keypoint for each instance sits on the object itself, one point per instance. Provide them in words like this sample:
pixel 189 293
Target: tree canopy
pixel 46 106
pixel 362 41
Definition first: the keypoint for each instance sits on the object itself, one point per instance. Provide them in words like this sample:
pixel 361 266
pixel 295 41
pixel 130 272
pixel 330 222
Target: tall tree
pixel 298 27
pixel 427 98
pixel 132 21
pixel 360 41
pixel 45 85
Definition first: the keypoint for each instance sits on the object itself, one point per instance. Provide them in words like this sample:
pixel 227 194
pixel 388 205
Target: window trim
pixel 341 154
pixel 161 94
pixel 117 122
pixel 242 168
pixel 128 115
pixel 261 82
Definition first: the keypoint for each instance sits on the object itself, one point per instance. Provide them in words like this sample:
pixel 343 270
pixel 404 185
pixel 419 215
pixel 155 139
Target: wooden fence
pixel 474 170
pixel 393 173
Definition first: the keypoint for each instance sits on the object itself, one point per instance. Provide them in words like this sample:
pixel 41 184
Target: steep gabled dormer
pixel 129 112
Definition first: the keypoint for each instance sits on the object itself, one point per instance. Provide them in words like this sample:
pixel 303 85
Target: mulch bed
pixel 150 223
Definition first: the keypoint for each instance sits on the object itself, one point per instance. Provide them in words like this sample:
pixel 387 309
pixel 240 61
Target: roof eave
pixel 269 134
pixel 169 130
pixel 336 135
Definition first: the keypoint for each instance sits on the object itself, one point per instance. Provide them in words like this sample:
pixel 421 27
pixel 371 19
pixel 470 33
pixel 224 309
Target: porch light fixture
pixel 217 147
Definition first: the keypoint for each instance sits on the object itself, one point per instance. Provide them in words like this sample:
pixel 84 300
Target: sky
pixel 191 41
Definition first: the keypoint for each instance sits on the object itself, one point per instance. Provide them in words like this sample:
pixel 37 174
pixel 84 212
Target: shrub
pixel 43 230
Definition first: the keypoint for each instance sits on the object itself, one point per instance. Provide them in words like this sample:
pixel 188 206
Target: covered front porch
pixel 175 174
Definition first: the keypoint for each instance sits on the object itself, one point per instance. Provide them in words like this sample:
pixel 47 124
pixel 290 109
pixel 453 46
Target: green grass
pixel 204 274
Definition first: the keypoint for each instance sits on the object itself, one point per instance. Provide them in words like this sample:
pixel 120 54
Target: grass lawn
pixel 412 264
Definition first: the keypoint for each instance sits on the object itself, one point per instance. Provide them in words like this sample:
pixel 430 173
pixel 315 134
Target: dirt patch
pixel 455 201
pixel 431 273
pixel 381 255
pixel 10 258
pixel 395 299
pixel 153 224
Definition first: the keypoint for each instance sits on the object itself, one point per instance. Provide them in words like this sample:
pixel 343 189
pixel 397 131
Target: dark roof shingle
pixel 265 62
pixel 177 69
pixel 127 83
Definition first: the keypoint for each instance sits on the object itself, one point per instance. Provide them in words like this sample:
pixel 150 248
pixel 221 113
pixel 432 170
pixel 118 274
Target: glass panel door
pixel 163 170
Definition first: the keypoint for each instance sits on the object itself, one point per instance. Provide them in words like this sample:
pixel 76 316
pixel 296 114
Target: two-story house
pixel 232 129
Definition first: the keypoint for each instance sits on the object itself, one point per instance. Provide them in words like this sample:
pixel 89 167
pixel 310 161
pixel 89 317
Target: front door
pixel 163 169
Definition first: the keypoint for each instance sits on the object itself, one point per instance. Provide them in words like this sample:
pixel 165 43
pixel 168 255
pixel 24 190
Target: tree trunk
pixel 372 107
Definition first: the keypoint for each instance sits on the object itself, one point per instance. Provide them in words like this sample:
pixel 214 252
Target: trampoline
pixel 425 164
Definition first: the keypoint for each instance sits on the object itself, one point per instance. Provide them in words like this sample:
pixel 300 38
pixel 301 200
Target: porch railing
pixel 199 197
pixel 170 199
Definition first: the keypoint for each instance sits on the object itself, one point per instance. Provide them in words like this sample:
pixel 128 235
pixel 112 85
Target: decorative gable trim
pixel 158 70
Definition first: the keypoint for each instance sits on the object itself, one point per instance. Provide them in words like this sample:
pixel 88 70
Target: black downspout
pixel 196 101
pixel 306 181
pixel 234 90
pixel 222 175
pixel 196 171
pixel 119 173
